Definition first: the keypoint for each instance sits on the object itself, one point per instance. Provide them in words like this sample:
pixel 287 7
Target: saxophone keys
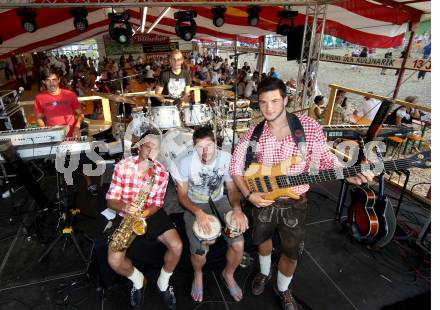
pixel 139 227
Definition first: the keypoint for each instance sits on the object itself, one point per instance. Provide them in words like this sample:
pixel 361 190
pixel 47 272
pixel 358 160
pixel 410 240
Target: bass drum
pixel 176 144
pixel 166 117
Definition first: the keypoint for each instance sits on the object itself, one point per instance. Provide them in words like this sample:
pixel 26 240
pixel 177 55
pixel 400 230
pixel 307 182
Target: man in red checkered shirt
pixel 284 214
pixel 129 177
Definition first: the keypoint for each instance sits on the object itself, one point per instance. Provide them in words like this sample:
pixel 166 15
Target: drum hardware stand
pixel 66 202
pixel 234 124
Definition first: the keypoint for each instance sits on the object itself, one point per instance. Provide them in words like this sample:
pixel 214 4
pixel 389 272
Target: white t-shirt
pixel 250 87
pixel 203 179
pixel 370 108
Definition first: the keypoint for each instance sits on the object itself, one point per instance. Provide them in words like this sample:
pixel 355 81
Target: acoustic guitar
pixel 273 181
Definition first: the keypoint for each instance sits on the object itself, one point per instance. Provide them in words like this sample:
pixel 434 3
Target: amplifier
pixel 7 101
pixel 14 119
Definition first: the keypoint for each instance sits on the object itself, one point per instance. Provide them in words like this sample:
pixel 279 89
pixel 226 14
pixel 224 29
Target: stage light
pixel 218 15
pixel 253 15
pixel 28 21
pixel 120 27
pixel 80 18
pixel 183 30
pixel 285 22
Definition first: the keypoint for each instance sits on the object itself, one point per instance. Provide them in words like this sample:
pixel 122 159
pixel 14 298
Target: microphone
pixel 20 92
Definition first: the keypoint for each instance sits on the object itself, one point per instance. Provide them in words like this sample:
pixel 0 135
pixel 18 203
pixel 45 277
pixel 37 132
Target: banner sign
pixel 391 63
pixel 150 38
pixel 160 48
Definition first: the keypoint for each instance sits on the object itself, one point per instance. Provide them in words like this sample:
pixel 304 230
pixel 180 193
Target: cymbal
pixel 116 98
pixel 142 94
pixel 218 87
pixel 213 92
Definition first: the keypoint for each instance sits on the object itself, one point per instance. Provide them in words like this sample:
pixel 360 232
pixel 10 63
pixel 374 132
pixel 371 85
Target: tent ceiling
pixel 363 22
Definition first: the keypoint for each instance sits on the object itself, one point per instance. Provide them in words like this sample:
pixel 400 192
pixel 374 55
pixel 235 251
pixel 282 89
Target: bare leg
pixel 234 256
pixel 265 248
pixel 120 263
pixel 287 266
pixel 173 243
pixel 198 261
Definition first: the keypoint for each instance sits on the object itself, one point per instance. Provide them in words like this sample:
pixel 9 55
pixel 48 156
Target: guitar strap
pixel 296 129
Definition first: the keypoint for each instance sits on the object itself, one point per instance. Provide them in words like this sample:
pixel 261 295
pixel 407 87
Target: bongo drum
pixel 213 235
pixel 230 230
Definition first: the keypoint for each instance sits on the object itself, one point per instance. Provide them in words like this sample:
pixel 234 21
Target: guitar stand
pixel 402 192
pixel 68 217
pixel 341 201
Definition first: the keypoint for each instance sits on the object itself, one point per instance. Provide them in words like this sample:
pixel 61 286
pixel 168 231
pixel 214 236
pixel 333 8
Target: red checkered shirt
pixel 270 151
pixel 126 182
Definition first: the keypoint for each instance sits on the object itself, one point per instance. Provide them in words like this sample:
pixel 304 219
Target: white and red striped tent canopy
pixel 380 23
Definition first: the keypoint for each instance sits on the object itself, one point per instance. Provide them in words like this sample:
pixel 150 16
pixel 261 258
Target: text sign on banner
pixel 158 48
pixel 396 63
pixel 150 38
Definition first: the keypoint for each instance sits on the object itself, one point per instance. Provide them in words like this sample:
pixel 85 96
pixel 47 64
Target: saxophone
pixel 132 225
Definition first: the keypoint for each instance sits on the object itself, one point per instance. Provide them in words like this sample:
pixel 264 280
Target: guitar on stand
pixel 370 216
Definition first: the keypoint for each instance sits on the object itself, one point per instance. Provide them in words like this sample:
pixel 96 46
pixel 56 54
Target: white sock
pixel 163 280
pixel 265 264
pixel 137 278
pixel 283 282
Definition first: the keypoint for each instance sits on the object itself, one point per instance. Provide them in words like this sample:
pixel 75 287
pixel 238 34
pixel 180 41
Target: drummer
pixel 176 81
pixel 200 175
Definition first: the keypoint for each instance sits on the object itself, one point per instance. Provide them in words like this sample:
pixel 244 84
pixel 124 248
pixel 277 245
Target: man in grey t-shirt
pixel 201 175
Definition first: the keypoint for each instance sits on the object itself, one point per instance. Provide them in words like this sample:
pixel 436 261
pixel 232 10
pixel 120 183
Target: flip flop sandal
pixel 235 292
pixel 196 291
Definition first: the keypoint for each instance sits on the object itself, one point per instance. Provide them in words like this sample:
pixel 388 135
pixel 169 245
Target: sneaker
pixel 259 283
pixel 93 190
pixel 168 298
pixel 137 297
pixel 287 300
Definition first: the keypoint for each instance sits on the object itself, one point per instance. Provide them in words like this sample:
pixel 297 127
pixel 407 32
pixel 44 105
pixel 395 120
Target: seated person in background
pixel 250 91
pixel 200 177
pixel 339 112
pixel 403 114
pixel 315 111
pixel 369 109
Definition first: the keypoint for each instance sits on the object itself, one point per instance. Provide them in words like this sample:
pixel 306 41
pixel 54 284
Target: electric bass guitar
pixel 273 181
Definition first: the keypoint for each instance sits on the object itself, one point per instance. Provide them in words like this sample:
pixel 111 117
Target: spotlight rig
pixel 183 30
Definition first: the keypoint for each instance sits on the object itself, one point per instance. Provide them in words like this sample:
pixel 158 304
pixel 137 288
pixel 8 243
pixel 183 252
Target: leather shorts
pixel 288 216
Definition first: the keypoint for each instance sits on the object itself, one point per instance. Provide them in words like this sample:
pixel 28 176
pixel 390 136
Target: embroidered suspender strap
pixel 298 134
pixel 296 129
pixel 258 130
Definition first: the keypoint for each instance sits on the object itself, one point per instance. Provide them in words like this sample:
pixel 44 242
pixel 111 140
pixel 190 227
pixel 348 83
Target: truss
pixel 310 53
pixel 5 4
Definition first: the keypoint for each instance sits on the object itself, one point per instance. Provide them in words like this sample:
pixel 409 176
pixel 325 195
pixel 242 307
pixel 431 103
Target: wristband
pixel 248 195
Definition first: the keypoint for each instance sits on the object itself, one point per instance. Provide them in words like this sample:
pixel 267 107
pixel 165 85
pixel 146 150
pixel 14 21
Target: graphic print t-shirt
pixel 58 109
pixel 204 179
pixel 174 84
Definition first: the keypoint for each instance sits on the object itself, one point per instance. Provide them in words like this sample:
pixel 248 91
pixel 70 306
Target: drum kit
pixel 172 116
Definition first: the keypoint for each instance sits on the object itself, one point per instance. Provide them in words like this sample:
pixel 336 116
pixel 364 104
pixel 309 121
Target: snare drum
pixel 166 117
pixel 140 121
pixel 213 235
pixel 230 230
pixel 196 114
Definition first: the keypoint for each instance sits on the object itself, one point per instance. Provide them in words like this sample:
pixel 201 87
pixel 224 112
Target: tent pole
pixel 413 28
